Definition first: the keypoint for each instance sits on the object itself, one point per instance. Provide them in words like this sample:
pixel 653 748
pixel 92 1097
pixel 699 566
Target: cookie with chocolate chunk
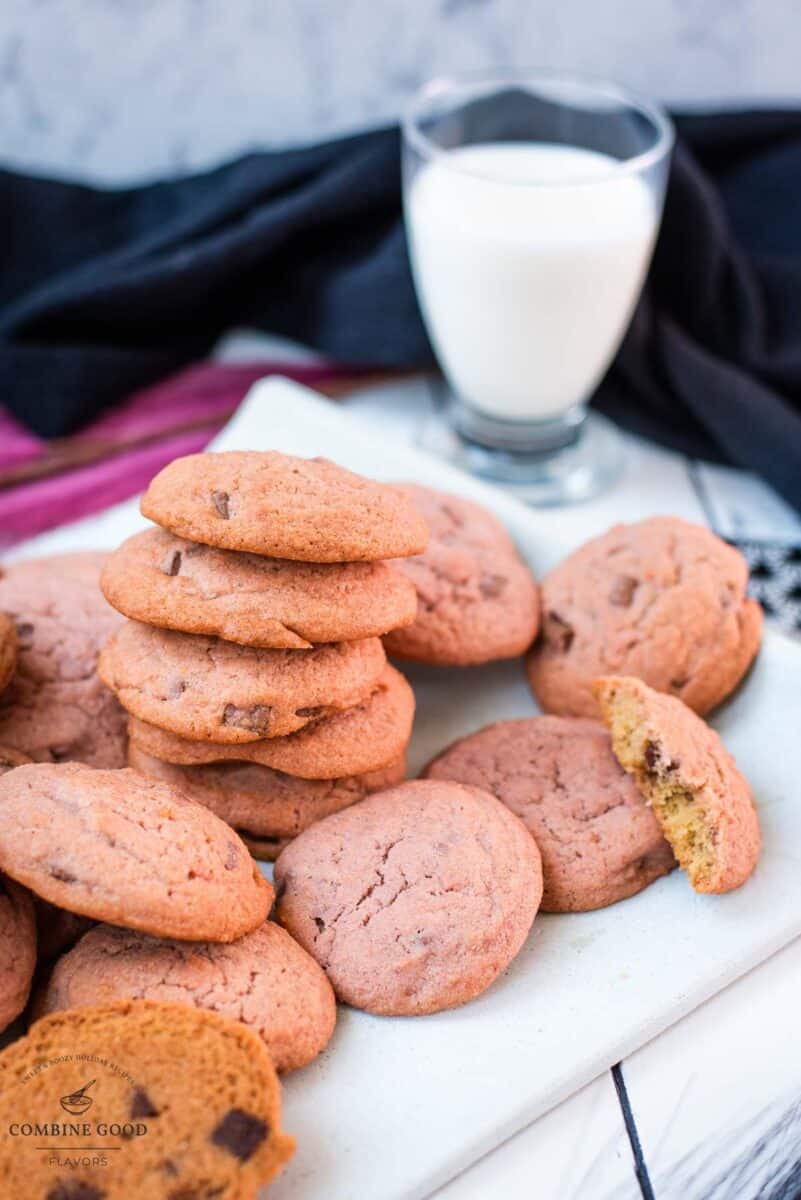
pixel 117 847
pixel 476 600
pixel 364 738
pixel 699 797
pixel 264 502
pixel 414 900
pixel 188 1101
pixel 264 979
pixel 8 650
pixel 56 708
pixel 17 949
pixel 167 581
pixel 598 838
pixel 205 689
pixel 662 600
pixel 267 808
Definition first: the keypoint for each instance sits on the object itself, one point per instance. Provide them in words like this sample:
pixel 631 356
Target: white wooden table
pixel 712 1108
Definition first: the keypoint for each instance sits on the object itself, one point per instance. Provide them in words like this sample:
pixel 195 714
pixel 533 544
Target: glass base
pixel 579 456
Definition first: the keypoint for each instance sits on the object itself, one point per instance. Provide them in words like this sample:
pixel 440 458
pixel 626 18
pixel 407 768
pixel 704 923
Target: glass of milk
pixel 532 204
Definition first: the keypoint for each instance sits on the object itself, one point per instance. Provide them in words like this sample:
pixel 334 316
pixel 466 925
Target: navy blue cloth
pixel 106 290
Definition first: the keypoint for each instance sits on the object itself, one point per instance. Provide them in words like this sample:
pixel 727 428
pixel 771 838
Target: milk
pixel 528 260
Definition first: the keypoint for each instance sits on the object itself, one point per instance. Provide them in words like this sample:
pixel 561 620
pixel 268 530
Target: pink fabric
pixel 208 393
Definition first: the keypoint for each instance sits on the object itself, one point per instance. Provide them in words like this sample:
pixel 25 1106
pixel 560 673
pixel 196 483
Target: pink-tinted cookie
pixel 57 929
pixel 599 841
pixel 267 808
pixel 268 503
pixel 167 581
pixel 361 739
pixel 11 758
pixel 414 900
pixel 264 979
pixel 476 599
pixel 56 707
pixel 117 847
pixel 701 800
pixel 17 949
pixel 8 650
pixel 205 689
pixel 662 600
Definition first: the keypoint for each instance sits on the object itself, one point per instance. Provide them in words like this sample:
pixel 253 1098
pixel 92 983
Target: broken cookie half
pixel 687 775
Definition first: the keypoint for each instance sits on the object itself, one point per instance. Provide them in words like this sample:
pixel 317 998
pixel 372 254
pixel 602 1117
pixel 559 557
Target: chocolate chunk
pixel 560 633
pixel 653 759
pixel 231 856
pixel 623 590
pixel 220 501
pixel 74 1189
pixel 491 586
pixel 172 563
pixel 320 923
pixel 651 755
pixel 255 719
pixel 679 683
pixel 177 688
pixel 62 874
pixel 142 1105
pixel 310 712
pixel 240 1133
pixel 25 633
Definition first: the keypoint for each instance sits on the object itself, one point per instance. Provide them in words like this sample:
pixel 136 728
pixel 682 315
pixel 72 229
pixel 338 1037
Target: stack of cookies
pixel 252 664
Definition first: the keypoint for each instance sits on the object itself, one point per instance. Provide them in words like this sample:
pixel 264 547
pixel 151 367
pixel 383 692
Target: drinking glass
pixel 532 203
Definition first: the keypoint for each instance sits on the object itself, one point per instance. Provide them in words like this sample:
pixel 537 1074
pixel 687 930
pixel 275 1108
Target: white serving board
pixel 397 1106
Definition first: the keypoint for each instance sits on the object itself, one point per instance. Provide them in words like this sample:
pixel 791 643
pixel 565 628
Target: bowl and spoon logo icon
pixel 78 1102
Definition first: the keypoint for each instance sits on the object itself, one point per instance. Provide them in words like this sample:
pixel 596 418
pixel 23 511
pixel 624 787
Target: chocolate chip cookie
pixel 703 803
pixel 414 900
pixel 117 847
pixel 269 503
pixel 599 840
pixel 56 707
pixel 182 1103
pixel 57 929
pixel 662 600
pixel 361 739
pixel 267 808
pixel 476 599
pixel 264 979
pixel 205 689
pixel 17 949
pixel 167 581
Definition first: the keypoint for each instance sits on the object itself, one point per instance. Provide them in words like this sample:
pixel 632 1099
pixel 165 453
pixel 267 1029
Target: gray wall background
pixel 121 89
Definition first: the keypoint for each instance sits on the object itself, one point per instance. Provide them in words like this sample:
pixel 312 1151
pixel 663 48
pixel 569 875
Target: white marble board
pixel 395 1107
